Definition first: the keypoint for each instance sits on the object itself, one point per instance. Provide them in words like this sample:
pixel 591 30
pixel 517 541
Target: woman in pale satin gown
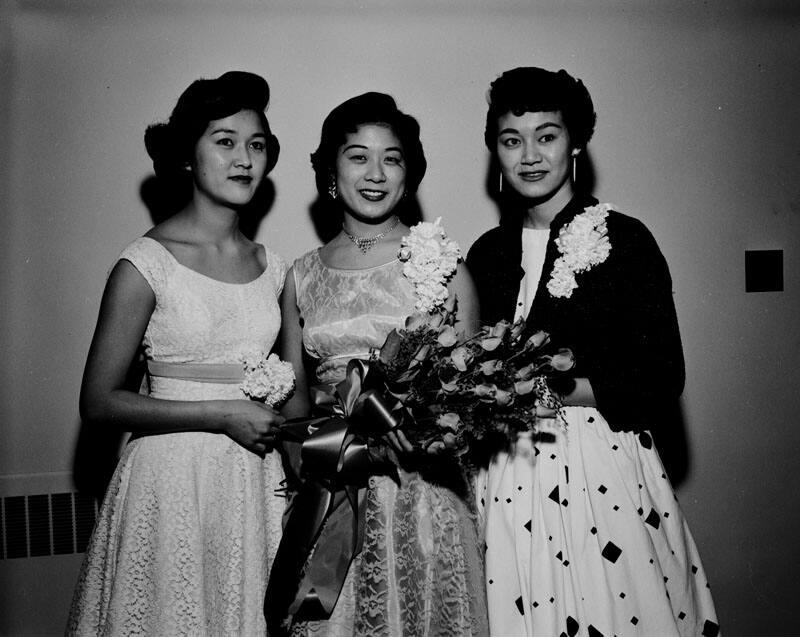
pixel 420 571
pixel 190 522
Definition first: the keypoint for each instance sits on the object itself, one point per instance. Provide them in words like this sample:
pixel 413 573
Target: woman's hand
pixel 462 287
pixel 397 440
pixel 251 424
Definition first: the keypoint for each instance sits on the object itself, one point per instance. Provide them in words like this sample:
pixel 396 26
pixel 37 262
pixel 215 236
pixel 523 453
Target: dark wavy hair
pixel 171 144
pixel 369 108
pixel 529 89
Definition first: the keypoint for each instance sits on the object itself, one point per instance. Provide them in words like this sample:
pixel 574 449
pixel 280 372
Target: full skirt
pixel 420 572
pixel 584 536
pixel 183 542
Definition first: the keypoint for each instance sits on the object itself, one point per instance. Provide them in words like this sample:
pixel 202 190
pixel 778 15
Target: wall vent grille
pixel 47 524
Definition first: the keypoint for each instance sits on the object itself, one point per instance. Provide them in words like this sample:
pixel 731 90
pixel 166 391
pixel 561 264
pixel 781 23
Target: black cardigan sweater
pixel 620 322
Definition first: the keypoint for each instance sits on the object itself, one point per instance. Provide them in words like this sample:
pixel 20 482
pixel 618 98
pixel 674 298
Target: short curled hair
pixel 529 89
pixel 171 144
pixel 369 108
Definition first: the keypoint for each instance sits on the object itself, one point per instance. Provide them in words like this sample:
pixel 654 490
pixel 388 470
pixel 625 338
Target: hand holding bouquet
pixel 458 391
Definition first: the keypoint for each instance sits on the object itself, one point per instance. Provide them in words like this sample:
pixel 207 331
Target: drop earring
pixel 332 192
pixel 500 183
pixel 575 154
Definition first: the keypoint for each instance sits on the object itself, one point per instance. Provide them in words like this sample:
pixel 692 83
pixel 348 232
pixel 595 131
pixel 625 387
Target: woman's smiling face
pixel 371 172
pixel 534 152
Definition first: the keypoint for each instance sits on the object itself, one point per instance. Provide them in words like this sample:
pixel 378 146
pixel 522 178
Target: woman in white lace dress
pixel 420 569
pixel 190 522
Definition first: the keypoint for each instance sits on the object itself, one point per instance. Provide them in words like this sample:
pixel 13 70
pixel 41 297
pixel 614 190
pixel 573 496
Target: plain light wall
pixel 697 136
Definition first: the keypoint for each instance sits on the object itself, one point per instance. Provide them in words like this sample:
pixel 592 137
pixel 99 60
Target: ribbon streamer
pixel 324 530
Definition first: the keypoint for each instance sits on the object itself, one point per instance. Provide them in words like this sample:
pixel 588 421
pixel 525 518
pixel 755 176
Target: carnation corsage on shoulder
pixel 583 243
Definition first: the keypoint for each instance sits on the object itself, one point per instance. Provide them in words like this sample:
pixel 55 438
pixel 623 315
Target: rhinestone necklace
pixel 365 244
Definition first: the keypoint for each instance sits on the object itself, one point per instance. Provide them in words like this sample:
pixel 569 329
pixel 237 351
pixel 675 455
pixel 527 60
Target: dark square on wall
pixel 763 270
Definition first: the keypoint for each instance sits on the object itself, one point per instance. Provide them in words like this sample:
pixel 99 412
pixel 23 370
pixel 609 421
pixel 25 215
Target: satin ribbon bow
pixel 324 527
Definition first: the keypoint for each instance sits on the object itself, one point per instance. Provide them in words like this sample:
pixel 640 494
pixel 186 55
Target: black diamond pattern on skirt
pixel 653 519
pixel 615 506
pixel 572 626
pixel 611 552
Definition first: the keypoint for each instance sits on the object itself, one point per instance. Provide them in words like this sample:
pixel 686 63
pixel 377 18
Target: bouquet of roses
pixel 458 392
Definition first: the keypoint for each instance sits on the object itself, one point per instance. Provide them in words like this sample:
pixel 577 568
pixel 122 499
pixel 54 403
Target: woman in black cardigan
pixel 583 532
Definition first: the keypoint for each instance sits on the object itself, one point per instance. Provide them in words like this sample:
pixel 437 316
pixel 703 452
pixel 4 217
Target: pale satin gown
pixel 420 571
pixel 190 522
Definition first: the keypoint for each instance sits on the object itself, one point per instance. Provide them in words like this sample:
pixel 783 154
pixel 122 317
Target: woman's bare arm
pixel 128 303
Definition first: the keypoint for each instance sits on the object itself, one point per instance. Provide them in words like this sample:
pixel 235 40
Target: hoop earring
pixel 332 192
pixel 500 184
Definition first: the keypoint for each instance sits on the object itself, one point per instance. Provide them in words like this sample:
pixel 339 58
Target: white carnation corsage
pixel 583 243
pixel 267 379
pixel 430 260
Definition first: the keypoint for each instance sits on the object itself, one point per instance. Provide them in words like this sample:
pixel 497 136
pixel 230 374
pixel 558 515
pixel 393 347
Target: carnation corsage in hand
pixel 267 379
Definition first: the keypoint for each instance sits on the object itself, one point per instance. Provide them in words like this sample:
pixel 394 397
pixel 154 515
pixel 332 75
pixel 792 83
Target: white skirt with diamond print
pixel 584 536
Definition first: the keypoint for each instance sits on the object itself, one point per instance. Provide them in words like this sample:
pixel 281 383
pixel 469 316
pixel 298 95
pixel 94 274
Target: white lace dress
pixel 190 521
pixel 420 571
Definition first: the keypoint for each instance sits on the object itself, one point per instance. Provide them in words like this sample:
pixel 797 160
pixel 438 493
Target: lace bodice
pixel 198 319
pixel 347 313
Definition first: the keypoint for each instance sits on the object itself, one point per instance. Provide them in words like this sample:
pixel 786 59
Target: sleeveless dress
pixel 420 570
pixel 190 521
pixel 584 535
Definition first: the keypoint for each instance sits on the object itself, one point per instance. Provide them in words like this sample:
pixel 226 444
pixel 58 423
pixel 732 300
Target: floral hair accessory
pixel 267 379
pixel 583 244
pixel 430 259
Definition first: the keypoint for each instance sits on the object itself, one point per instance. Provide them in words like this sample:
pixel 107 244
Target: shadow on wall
pixel 671 442
pixel 98 445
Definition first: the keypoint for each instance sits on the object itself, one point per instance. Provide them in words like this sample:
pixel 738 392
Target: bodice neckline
pixel 351 270
pixel 210 278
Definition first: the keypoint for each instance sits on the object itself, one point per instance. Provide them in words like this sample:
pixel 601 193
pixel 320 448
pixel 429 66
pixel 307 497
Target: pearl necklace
pixel 365 244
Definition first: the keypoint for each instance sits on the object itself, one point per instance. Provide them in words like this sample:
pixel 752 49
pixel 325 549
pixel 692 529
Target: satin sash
pixel 218 373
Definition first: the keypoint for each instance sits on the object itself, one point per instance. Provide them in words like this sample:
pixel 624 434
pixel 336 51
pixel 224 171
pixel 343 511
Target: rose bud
pixel 447 336
pixel 461 357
